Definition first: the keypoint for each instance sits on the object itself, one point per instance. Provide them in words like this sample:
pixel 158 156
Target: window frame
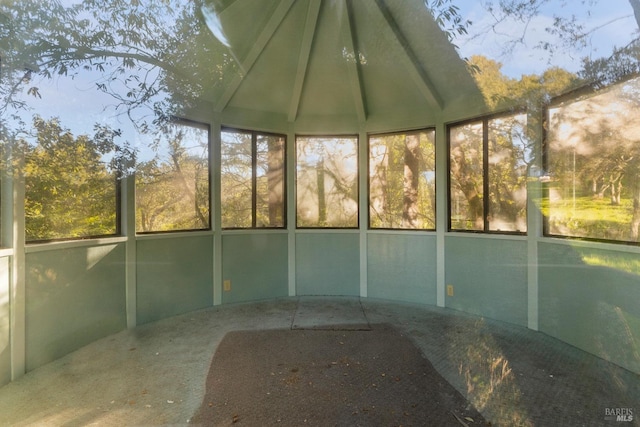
pixel 199 125
pixel 254 177
pixel 118 232
pixel 575 95
pixel 435 169
pixel 486 202
pixel 356 137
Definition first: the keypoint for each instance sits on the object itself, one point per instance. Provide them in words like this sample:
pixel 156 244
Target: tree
pixel 275 168
pixel 467 182
pixel 412 156
pixel 401 183
pixel 135 50
pixel 533 91
pixel 172 188
pixel 568 31
pixel 70 191
pixel 594 152
pixel 327 184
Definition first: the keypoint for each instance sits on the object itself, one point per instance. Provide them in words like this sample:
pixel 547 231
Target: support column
pixel 534 218
pixel 128 218
pixel 17 287
pixel 290 158
pixel 363 157
pixel 216 218
pixel 441 210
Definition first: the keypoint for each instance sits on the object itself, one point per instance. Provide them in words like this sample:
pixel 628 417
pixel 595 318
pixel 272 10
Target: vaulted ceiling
pixel 353 60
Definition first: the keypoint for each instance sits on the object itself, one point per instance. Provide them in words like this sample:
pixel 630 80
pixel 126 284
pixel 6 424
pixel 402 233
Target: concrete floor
pixel 155 374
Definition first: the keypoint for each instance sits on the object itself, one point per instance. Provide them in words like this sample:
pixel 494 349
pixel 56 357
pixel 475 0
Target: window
pixel 71 189
pixel 592 157
pixel 172 186
pixel 253 179
pixel 488 162
pixel 402 180
pixel 327 182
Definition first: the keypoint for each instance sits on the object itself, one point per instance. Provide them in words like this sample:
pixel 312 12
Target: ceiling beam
pixel 262 40
pixel 303 59
pixel 224 9
pixel 418 74
pixel 353 62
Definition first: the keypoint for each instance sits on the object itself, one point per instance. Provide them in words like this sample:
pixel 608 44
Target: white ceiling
pixel 359 61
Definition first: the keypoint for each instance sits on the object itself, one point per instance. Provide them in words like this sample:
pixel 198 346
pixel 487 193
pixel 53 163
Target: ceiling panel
pixel 335 58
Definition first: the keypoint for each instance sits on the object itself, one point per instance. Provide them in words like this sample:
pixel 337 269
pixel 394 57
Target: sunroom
pixel 161 158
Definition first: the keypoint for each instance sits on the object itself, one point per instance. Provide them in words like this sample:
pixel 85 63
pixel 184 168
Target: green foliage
pixel 69 190
pixel 623 62
pixel 589 217
pixel 172 189
pixel 594 155
pixel 501 92
pixel 137 52
pixel 447 16
pixel 327 182
pixel 252 180
pixel 402 182
pixel 236 180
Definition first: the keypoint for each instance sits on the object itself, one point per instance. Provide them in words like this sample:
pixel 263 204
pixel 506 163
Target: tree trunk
pixel 322 205
pixel 275 160
pixel 190 192
pixel 411 179
pixel 379 188
pixel 616 189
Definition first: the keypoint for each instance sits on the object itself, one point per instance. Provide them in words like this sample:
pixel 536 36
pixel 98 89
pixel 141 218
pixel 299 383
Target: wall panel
pixel 590 298
pixel 73 296
pixel 402 267
pixel 255 266
pixel 328 264
pixel 489 277
pixel 174 276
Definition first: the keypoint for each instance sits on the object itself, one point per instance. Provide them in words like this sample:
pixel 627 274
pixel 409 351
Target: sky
pixel 612 21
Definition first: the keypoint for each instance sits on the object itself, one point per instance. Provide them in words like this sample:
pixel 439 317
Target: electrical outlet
pixel 450 290
pixel 227 285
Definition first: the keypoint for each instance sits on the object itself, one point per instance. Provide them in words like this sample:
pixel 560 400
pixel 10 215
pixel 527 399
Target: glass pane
pixel 466 181
pixel 327 182
pixel 236 180
pixel 270 181
pixel 70 188
pixel 594 164
pixel 115 100
pixel 172 188
pixel 507 173
pixel 402 181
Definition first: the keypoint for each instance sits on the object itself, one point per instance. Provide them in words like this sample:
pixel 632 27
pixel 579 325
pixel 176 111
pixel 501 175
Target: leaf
pixel 34 91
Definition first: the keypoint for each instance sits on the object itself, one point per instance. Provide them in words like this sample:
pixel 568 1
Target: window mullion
pixel 485 173
pixel 254 179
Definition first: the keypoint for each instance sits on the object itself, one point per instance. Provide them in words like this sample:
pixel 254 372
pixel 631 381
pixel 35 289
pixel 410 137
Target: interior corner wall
pixel 402 267
pixel 255 266
pixel 174 275
pixel 488 276
pixel 5 313
pixel 589 297
pixel 74 296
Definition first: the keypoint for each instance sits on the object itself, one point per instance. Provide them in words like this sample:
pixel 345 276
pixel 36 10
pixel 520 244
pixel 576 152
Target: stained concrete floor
pixel 155 374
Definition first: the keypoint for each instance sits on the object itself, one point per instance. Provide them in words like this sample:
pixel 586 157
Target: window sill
pixel 69 244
